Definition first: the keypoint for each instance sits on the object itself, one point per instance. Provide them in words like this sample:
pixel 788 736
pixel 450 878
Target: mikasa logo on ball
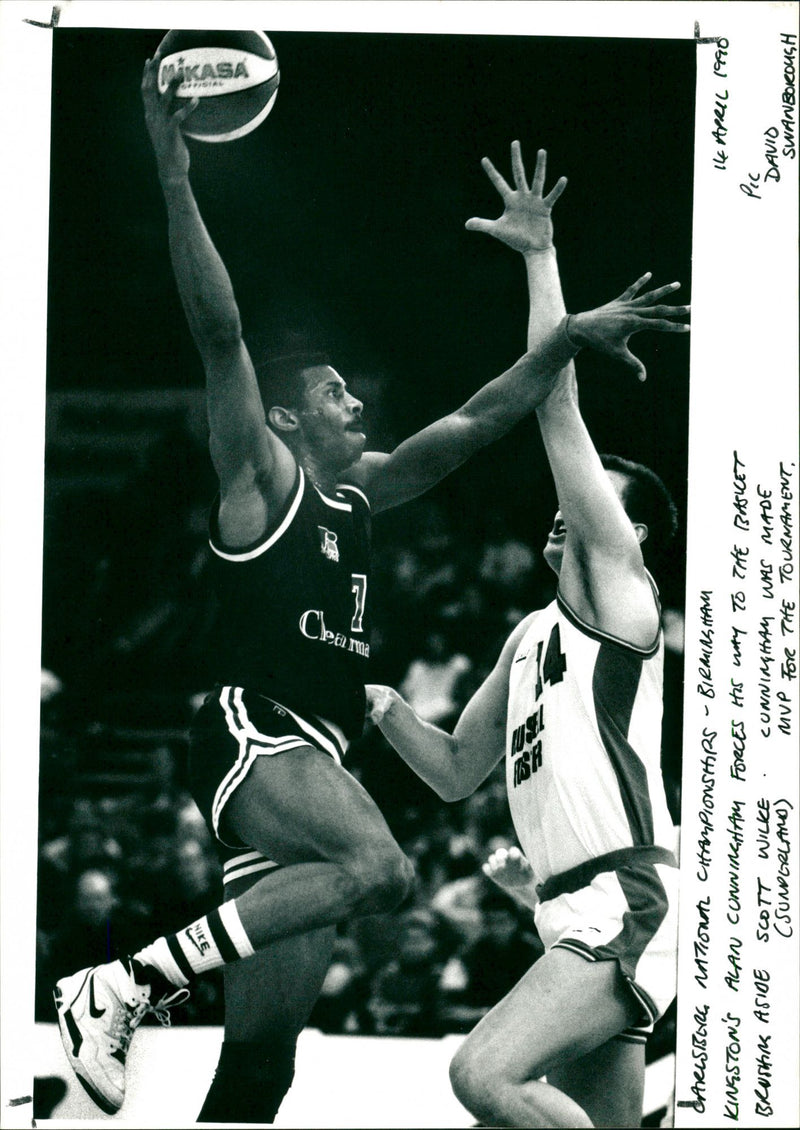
pixel 205 71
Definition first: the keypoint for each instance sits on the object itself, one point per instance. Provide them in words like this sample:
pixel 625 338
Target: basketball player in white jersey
pixel 574 703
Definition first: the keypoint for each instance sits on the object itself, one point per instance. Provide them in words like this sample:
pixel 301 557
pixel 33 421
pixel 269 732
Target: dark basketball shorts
pixel 621 907
pixel 231 729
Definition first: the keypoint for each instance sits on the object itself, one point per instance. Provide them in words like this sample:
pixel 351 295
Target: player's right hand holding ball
pixel 163 116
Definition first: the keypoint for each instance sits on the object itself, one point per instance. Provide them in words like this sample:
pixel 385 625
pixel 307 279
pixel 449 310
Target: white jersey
pixel 583 747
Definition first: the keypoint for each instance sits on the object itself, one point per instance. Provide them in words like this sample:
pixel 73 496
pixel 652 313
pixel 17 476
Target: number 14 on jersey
pixel 555 661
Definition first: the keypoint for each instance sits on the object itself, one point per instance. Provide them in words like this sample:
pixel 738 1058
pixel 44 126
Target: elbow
pixel 460 777
pixel 224 338
pixel 454 789
pixel 471 426
pixel 479 427
pixel 218 337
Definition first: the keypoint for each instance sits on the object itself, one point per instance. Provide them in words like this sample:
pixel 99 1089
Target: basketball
pixel 233 74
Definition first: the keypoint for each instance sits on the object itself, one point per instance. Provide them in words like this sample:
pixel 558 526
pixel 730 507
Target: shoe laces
pixel 161 1010
pixel 128 1018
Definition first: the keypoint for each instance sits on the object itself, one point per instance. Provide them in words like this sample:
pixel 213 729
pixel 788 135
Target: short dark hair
pixel 280 379
pixel 646 500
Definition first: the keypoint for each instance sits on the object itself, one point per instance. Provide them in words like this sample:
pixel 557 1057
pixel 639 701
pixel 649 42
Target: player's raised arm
pixel 434 452
pixel 425 458
pixel 526 225
pixel 602 574
pixel 245 453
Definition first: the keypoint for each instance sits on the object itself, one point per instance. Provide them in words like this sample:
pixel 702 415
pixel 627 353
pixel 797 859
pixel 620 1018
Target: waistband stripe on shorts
pixel 581 876
pixel 588 954
pixel 324 734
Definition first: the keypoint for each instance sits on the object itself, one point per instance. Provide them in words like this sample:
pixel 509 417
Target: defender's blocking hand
pixel 526 223
pixel 609 328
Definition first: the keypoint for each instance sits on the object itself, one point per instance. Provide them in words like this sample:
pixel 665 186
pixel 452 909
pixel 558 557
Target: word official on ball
pixel 233 74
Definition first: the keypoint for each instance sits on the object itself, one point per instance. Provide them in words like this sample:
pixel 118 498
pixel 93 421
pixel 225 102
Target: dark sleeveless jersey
pixel 293 619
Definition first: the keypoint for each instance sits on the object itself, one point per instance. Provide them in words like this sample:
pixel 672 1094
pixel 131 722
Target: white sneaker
pixel 99 1009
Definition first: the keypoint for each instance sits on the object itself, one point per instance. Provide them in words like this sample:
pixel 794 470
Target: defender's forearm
pixel 526 386
pixel 426 749
pixel 545 298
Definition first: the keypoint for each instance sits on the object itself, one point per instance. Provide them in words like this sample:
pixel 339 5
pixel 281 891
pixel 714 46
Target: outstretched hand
pixel 526 223
pixel 163 114
pixel 509 868
pixel 609 328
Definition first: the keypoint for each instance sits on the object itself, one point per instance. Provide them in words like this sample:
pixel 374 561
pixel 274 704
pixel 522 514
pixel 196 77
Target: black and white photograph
pixel 402 606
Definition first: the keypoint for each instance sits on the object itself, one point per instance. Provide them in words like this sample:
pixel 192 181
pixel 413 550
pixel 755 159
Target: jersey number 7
pixel 359 589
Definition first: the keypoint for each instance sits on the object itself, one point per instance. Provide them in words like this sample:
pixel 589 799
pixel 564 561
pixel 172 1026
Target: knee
pixel 384 878
pixel 472 1080
pixel 391 879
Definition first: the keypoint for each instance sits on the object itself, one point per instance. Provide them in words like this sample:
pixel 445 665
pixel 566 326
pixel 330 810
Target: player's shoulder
pixel 632 624
pixel 521 630
pixel 359 476
pixel 616 600
pixel 249 518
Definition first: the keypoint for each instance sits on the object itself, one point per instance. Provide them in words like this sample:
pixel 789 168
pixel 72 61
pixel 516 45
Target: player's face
pixel 557 538
pixel 331 418
pixel 554 546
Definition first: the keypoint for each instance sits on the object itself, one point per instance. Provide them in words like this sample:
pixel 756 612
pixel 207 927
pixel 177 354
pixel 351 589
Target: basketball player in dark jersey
pixel 305 847
pixel 574 704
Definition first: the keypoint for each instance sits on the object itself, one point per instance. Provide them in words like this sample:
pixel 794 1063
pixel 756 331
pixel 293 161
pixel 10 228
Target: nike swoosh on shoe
pixel 93 1009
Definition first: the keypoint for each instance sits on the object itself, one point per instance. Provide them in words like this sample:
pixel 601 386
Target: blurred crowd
pixel 124 854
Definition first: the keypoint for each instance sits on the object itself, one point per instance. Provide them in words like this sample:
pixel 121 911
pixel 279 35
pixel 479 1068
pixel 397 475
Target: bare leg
pixel 563 1008
pixel 268 999
pixel 339 859
pixel 306 812
pixel 608 1083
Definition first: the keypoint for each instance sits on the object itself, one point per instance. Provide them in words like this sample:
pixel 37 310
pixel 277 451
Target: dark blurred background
pixel 341 221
